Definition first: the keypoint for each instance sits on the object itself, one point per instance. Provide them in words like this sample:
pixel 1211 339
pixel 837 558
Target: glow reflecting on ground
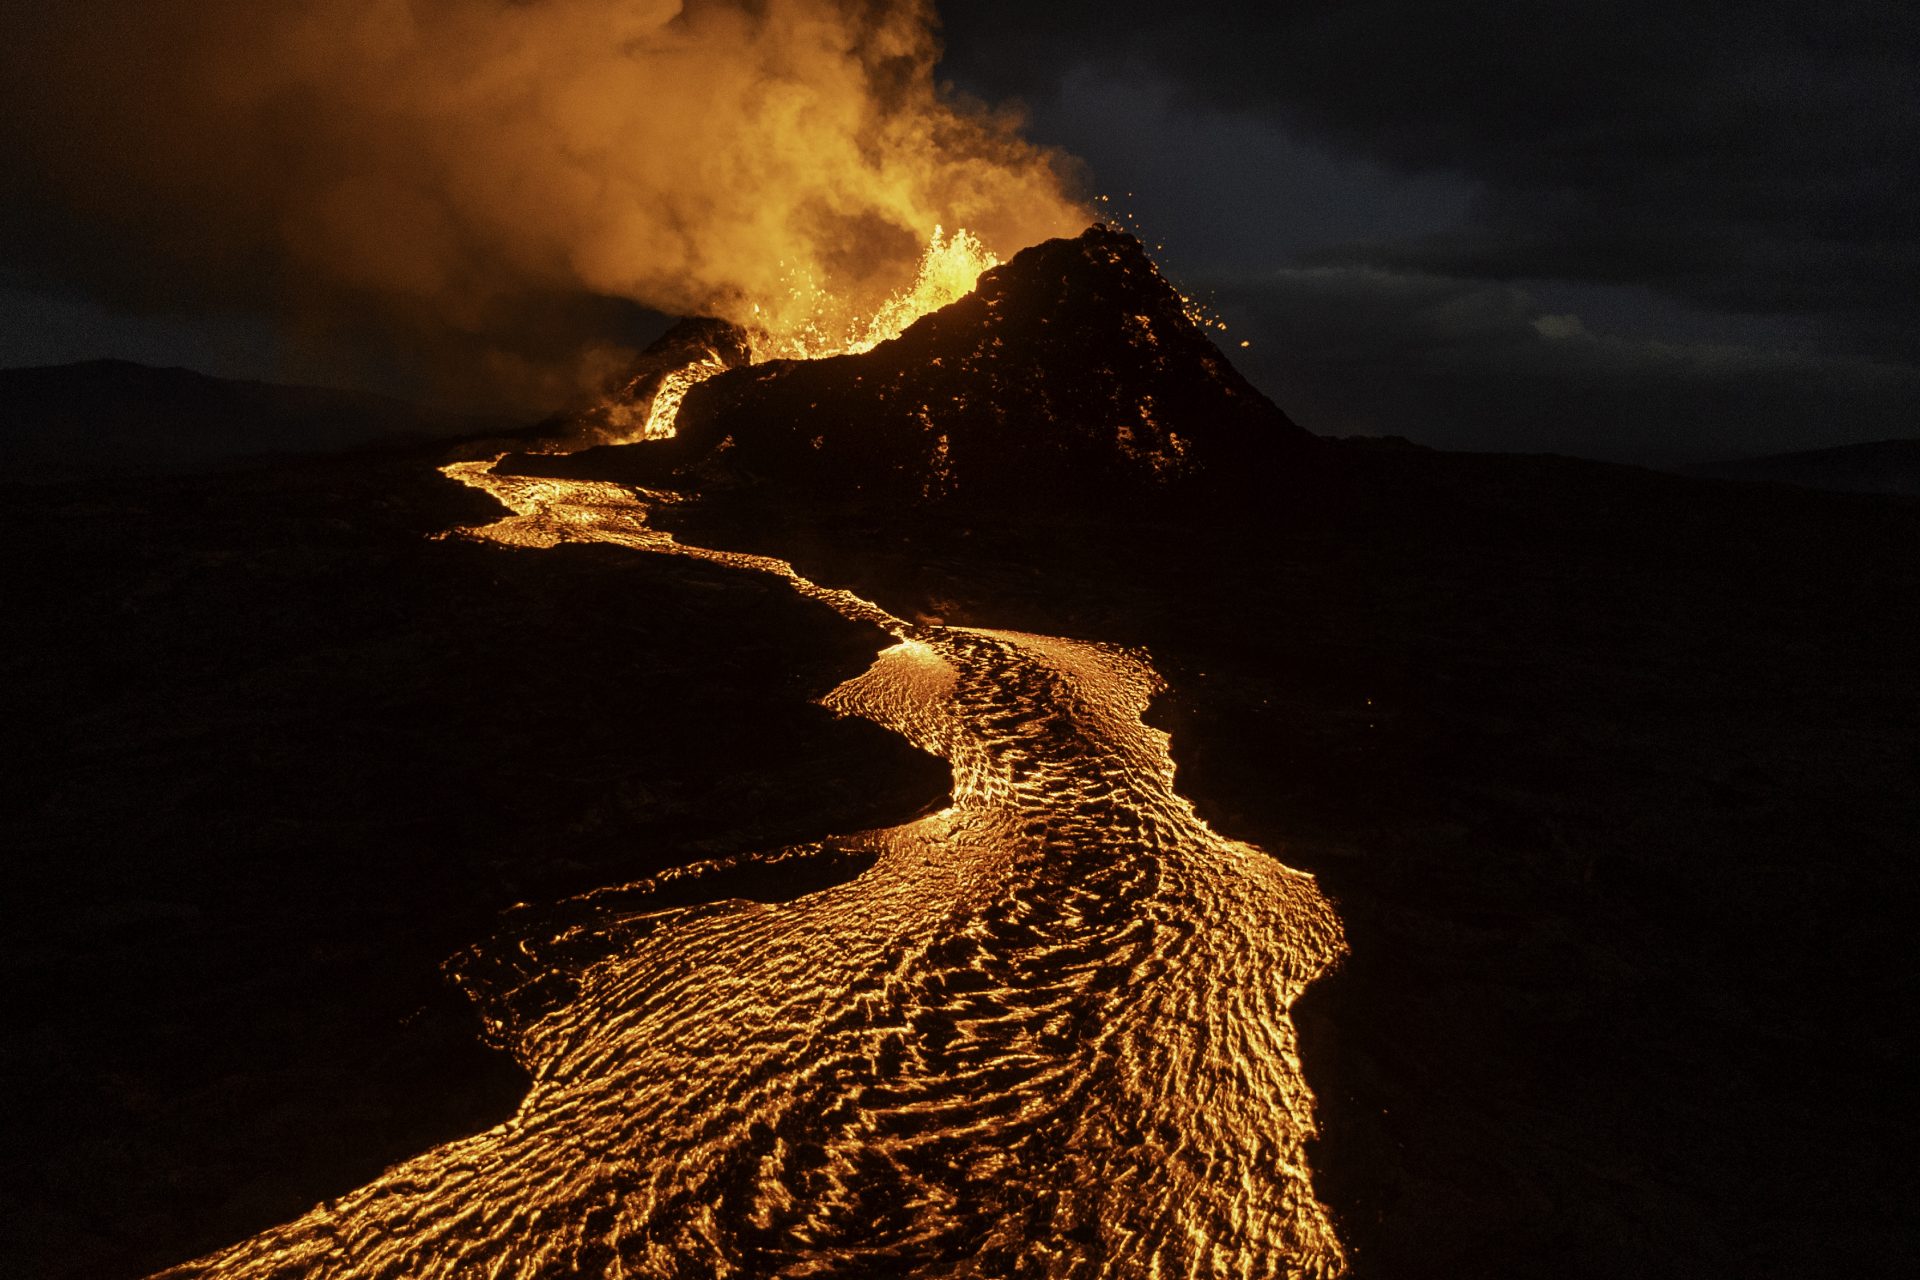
pixel 1046 1034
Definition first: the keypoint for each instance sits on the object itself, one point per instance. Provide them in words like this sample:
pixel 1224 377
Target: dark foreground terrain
pixel 1610 773
pixel 1881 466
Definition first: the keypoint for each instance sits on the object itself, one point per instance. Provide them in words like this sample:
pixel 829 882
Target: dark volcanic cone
pixel 1071 370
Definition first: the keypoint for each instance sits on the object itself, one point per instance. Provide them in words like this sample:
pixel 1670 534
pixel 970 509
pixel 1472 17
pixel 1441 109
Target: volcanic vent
pixel 1072 370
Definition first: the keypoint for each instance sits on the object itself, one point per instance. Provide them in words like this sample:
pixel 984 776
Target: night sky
pixel 1640 230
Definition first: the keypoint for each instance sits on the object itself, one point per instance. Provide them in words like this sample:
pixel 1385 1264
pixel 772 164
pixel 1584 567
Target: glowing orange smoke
pixel 438 175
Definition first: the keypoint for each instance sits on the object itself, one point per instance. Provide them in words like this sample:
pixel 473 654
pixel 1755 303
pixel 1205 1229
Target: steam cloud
pixel 464 178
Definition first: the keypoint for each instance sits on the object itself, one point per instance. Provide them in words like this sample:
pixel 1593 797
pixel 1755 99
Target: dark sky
pixel 1651 230
pixel 1644 229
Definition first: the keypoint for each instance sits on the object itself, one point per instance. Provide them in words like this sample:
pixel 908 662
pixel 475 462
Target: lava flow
pixel 1046 1033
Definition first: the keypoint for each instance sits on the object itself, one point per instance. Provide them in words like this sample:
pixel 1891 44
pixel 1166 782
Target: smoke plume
pixel 484 186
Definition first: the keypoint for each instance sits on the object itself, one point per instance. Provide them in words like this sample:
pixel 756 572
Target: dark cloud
pixel 1636 229
pixel 1233 190
pixel 1474 365
pixel 1743 156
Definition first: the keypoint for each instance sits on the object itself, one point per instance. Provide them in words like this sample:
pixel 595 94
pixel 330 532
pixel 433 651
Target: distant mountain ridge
pixel 1878 466
pixel 115 417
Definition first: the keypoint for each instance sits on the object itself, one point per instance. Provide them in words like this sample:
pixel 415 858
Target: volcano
pixel 1073 371
pixel 906 959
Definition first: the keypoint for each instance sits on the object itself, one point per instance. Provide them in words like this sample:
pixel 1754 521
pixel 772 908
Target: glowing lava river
pixel 1045 1033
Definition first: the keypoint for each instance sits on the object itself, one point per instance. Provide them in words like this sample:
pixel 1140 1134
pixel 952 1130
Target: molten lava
pixel 1047 1031
pixel 665 409
pixel 811 322
pixel 816 324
